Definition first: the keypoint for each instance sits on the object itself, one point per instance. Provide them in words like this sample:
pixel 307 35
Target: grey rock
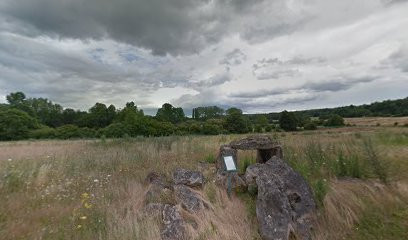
pixel 153 209
pixel 285 204
pixel 188 177
pixel 254 142
pixel 159 191
pixel 188 199
pixel 174 227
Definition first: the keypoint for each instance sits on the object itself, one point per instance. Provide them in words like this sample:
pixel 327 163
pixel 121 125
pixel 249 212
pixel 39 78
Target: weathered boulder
pixel 188 199
pixel 188 177
pixel 159 191
pixel 174 227
pixel 285 205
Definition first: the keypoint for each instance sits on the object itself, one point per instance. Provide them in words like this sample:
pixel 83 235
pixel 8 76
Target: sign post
pixel 229 167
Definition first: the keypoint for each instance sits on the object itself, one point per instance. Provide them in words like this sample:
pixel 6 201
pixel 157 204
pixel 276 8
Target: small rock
pixel 174 228
pixel 159 191
pixel 187 177
pixel 189 200
pixel 153 209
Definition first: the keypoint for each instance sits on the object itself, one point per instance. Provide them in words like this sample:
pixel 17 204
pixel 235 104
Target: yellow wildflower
pixel 85 195
pixel 87 205
pixel 79 226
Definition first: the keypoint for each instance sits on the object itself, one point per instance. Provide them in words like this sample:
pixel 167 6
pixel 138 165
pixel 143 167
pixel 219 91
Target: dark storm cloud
pixel 176 26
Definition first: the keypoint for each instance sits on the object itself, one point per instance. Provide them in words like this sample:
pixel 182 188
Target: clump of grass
pixel 210 158
pixel 211 192
pixel 320 189
pixel 378 167
pixel 245 163
pixel 378 224
pixel 250 203
pixel 348 166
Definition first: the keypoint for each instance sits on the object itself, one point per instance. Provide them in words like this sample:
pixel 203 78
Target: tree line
pixel 40 118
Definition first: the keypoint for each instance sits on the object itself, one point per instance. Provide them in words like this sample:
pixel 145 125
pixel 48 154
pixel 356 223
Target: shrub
pixel 68 131
pixel 268 128
pixel 15 124
pixel 258 128
pixel 115 130
pixel 211 129
pixel 43 133
pixel 334 121
pixel 310 126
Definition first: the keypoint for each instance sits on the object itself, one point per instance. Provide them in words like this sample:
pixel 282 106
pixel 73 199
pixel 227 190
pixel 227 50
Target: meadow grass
pixel 93 189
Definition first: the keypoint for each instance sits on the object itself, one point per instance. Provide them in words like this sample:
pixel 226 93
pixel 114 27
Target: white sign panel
pixel 229 163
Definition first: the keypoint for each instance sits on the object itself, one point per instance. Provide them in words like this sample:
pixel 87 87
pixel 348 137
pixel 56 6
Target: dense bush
pixel 72 131
pixel 115 130
pixel 44 132
pixel 15 124
pixel 310 126
pixel 334 121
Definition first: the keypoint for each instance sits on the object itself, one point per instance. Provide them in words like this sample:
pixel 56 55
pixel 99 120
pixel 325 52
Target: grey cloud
pixel 213 97
pixel 277 74
pixel 213 81
pixel 398 59
pixel 335 85
pixel 274 68
pixel 74 78
pixel 235 57
pixel 176 27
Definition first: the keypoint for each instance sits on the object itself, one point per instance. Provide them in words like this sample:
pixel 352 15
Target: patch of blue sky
pixel 97 54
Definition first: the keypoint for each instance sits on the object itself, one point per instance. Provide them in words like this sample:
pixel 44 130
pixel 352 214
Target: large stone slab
pixel 285 205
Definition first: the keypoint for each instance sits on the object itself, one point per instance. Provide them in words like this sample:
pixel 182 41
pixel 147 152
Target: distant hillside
pixel 387 108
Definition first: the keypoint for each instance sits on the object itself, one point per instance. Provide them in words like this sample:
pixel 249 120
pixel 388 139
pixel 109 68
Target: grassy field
pixel 93 189
pixel 377 121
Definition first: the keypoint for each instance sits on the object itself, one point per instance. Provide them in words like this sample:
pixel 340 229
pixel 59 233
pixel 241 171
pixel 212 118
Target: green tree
pixel 334 121
pixel 288 121
pixel 235 122
pixel 261 120
pixel 15 124
pixel 100 116
pixel 168 113
pixel 133 119
pixel 204 113
pixel 16 98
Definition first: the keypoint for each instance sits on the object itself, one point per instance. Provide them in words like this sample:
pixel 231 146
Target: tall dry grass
pixel 93 189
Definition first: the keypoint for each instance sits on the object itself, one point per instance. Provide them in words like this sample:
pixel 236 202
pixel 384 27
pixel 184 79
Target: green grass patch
pixel 379 224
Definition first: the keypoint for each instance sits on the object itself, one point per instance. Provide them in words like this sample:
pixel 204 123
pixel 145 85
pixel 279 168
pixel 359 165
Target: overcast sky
pixel 258 55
